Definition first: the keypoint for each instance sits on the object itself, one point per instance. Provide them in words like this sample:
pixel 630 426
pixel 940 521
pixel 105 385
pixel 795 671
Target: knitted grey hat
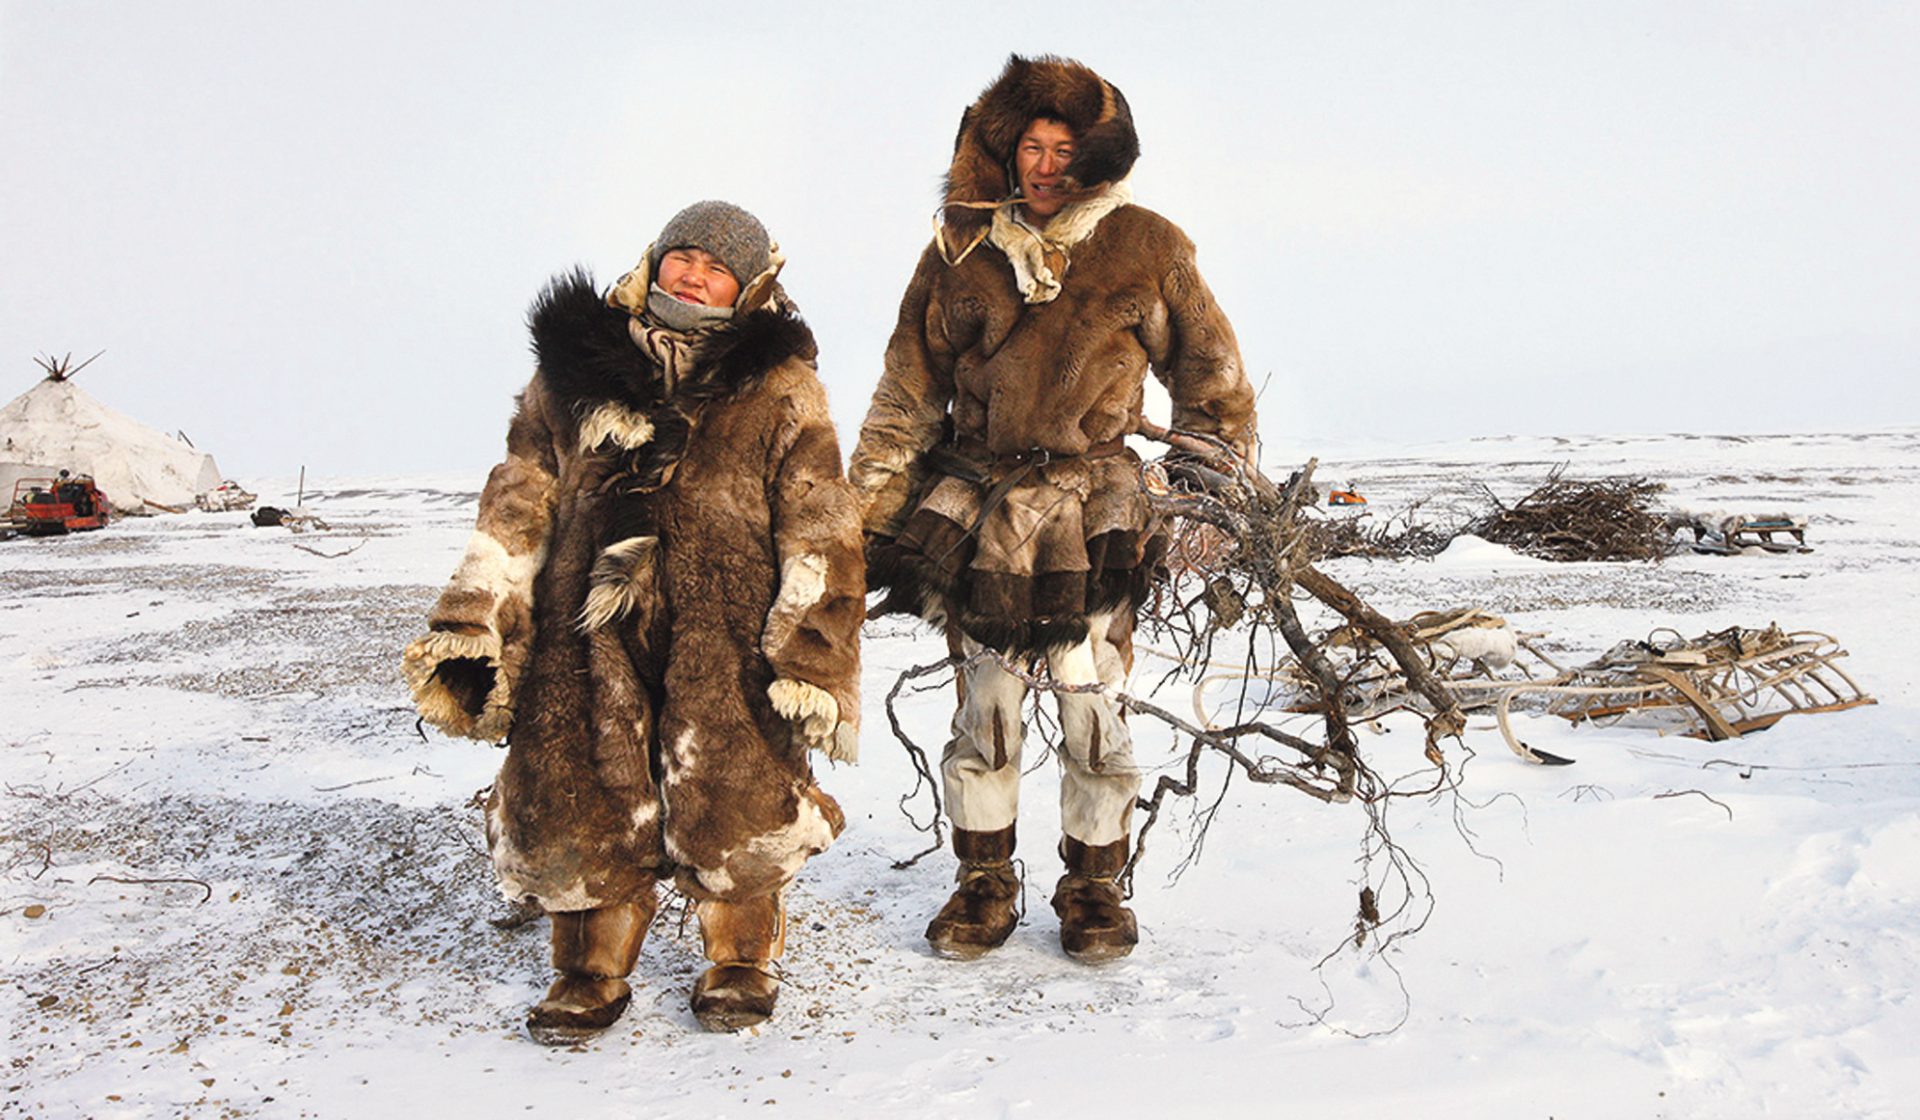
pixel 720 228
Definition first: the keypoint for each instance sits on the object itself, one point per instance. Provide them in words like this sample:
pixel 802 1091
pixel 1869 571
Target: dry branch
pixel 329 555
pixel 118 879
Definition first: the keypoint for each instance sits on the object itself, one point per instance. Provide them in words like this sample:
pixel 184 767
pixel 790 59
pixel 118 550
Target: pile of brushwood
pixel 1608 519
pixel 1562 519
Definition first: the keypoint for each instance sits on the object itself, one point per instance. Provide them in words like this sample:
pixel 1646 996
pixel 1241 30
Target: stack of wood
pixel 1607 519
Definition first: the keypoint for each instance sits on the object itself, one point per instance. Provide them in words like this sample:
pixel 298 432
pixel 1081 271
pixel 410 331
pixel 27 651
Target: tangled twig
pixel 922 768
pixel 1694 793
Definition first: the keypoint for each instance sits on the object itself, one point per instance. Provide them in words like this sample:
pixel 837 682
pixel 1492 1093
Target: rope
pixel 940 228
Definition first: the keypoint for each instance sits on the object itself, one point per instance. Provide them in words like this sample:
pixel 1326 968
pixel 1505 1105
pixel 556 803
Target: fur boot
pixel 1094 924
pixel 984 908
pixel 743 940
pixel 593 950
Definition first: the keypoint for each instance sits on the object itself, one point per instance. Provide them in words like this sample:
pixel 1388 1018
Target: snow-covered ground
pixel 234 879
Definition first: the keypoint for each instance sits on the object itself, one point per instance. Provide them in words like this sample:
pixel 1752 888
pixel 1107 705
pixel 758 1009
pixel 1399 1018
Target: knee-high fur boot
pixel 743 940
pixel 593 950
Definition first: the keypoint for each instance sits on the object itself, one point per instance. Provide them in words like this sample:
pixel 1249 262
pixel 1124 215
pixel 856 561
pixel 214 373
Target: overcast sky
pixel 307 234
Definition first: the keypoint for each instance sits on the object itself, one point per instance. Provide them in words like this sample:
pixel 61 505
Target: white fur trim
pixel 614 421
pixel 846 744
pixel 488 566
pixel 518 877
pixel 621 578
pixel 815 716
pixel 425 653
pixel 1076 221
pixel 803 580
pixel 809 705
pixel 872 469
pixel 419 664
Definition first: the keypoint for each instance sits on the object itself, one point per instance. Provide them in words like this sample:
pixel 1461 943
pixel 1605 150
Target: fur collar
pixel 588 358
pixel 631 428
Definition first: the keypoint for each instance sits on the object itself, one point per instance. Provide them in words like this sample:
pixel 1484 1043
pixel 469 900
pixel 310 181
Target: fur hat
pixel 734 236
pixel 1104 143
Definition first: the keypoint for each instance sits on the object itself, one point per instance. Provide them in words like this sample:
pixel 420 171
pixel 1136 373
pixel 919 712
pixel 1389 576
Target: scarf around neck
pixel 677 336
pixel 682 338
pixel 1039 257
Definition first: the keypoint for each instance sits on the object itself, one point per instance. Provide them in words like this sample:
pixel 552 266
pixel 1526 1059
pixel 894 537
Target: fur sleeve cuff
pixel 815 716
pixel 884 492
pixel 458 685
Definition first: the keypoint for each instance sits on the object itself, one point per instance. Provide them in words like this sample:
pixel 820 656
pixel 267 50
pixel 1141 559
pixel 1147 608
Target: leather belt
pixel 970 460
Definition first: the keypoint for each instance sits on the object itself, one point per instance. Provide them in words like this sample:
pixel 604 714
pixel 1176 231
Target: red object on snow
pixel 48 506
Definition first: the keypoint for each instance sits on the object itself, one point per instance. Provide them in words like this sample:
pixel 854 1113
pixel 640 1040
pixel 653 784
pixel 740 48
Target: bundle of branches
pixel 1399 538
pixel 1243 573
pixel 1607 519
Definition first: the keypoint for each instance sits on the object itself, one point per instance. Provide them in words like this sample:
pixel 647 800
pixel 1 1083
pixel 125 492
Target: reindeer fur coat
pixel 659 610
pixel 994 486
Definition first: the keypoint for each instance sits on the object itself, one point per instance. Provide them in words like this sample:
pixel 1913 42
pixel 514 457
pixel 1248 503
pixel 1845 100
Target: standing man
pixel 659 610
pixel 999 498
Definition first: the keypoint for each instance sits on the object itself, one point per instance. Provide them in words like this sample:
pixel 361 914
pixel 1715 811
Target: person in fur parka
pixel 997 494
pixel 659 609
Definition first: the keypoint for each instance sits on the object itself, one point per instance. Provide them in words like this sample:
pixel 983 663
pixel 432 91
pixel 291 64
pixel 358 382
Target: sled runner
pixel 1720 685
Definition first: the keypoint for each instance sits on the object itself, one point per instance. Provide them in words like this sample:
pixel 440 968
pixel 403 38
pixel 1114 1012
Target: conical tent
pixel 57 425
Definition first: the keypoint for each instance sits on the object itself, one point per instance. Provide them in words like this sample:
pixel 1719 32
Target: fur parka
pixel 992 481
pixel 659 609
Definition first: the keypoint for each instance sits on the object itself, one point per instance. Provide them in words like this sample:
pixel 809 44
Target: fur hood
pixel 1105 144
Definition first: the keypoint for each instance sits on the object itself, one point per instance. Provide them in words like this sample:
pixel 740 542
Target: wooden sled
pixel 1720 685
